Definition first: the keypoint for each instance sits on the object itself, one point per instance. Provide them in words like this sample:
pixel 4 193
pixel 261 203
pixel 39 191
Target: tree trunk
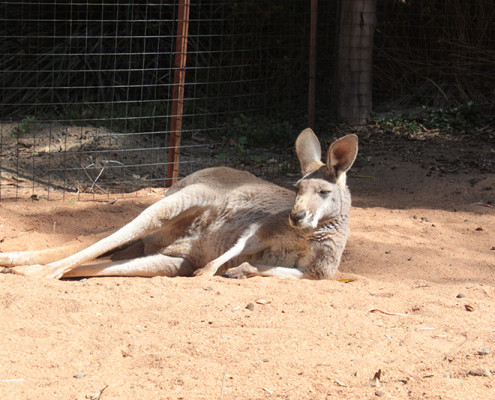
pixel 357 28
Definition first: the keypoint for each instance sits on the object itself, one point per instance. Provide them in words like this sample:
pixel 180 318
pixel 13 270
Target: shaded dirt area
pixel 422 249
pixel 96 160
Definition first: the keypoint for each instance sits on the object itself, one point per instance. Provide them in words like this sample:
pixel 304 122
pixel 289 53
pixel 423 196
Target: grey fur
pixel 224 221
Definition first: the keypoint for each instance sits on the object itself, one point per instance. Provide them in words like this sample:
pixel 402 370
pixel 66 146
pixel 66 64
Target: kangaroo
pixel 224 221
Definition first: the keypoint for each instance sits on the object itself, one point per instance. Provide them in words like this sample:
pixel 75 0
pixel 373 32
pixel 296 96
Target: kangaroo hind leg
pixel 46 256
pixel 149 266
pixel 150 220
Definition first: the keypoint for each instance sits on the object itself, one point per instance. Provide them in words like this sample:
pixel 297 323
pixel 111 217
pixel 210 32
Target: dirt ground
pixel 414 301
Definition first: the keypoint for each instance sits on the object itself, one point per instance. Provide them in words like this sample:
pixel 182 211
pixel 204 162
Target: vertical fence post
pixel 312 63
pixel 178 92
pixel 357 28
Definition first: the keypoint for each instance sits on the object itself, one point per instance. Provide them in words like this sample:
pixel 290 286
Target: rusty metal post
pixel 312 64
pixel 178 91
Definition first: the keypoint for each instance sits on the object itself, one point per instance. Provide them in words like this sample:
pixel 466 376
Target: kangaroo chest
pixel 281 251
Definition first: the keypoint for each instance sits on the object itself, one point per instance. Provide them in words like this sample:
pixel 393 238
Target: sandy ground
pixel 414 299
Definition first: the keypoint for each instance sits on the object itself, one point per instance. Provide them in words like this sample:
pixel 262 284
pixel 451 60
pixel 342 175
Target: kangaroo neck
pixel 329 230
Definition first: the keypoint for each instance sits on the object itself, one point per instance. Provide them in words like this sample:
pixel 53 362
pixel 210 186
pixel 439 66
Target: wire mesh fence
pixel 87 88
pixel 434 53
pixel 85 83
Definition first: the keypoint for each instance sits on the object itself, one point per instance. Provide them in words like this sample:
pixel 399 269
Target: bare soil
pixel 414 301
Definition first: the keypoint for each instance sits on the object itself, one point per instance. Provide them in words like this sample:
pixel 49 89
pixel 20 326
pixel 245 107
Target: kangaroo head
pixel 322 194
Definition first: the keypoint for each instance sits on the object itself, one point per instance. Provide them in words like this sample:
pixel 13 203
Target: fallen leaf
pixel 347 280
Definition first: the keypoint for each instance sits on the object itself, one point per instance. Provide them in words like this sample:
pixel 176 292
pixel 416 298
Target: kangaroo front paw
pixel 245 270
pixel 209 269
pixel 204 272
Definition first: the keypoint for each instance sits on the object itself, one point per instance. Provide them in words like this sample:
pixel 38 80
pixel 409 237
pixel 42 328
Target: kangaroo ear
pixel 341 155
pixel 308 151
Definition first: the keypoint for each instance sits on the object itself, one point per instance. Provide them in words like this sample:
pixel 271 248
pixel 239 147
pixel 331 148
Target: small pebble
pixel 460 296
pixel 379 393
pixel 483 352
pixel 479 372
pixel 250 306
pixel 80 375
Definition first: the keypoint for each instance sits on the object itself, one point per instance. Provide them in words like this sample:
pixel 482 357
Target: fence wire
pixel 87 87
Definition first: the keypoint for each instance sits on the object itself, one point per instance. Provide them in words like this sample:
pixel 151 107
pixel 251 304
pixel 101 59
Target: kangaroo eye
pixel 325 192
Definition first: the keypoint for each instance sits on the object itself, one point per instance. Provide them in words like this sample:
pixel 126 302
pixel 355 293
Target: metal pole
pixel 178 91
pixel 312 64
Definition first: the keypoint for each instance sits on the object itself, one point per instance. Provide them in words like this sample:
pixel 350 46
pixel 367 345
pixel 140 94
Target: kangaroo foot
pixel 245 270
pixel 30 270
pixel 38 271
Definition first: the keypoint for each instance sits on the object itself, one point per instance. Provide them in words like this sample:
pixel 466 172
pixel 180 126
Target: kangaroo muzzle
pixel 297 216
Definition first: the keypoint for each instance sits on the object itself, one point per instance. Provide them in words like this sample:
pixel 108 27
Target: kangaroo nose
pixel 297 216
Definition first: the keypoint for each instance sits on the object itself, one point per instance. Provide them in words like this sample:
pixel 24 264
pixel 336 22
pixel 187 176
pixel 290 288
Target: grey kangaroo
pixel 224 221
